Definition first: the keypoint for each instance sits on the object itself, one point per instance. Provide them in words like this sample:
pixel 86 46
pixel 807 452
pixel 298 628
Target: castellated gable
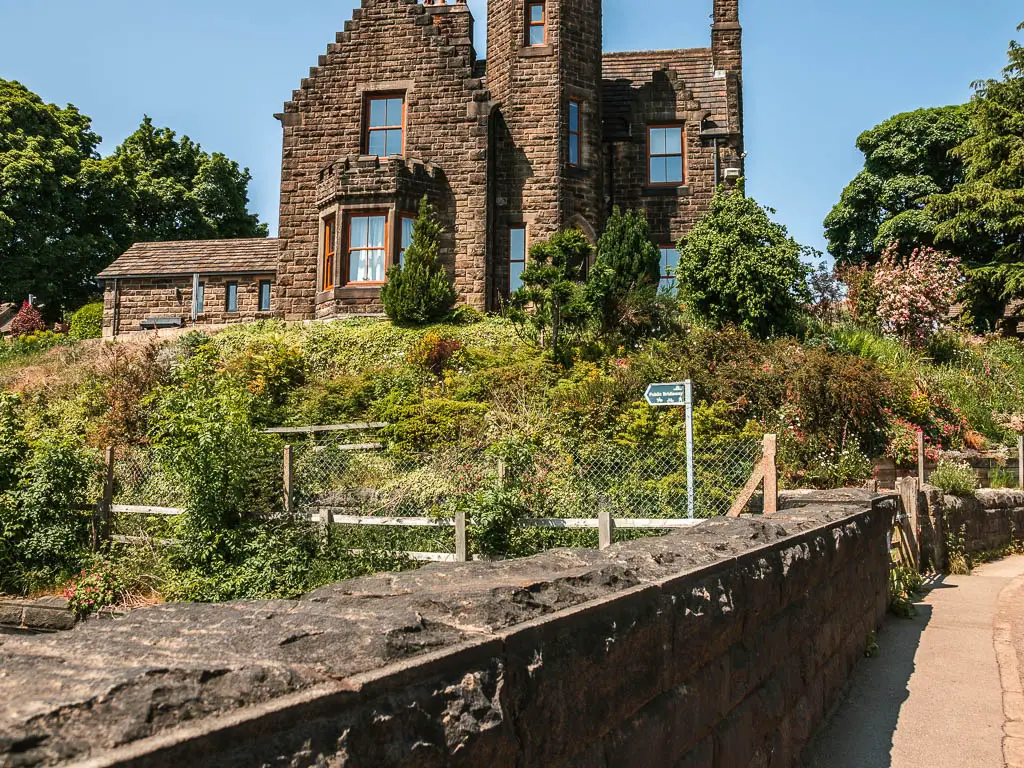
pixel 549 132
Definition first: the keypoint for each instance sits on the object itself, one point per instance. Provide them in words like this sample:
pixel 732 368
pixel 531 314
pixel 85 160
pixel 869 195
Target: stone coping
pixel 107 685
pixel 44 614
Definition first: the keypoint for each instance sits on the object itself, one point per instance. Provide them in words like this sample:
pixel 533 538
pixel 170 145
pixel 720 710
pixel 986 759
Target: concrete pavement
pixel 933 697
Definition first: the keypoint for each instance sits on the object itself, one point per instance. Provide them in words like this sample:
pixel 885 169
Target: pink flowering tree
pixel 916 293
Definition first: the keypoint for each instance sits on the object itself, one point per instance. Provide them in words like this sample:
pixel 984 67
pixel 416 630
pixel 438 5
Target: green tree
pixel 627 261
pixel 738 266
pixel 170 189
pixel 553 300
pixel 420 290
pixel 906 159
pixel 988 206
pixel 50 245
pixel 65 213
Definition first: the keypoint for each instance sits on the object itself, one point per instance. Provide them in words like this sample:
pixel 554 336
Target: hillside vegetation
pixel 837 394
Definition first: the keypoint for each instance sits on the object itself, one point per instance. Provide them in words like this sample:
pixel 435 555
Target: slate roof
pixel 626 72
pixel 7 314
pixel 186 257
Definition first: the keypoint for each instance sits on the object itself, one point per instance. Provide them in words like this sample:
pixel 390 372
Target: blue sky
pixel 817 72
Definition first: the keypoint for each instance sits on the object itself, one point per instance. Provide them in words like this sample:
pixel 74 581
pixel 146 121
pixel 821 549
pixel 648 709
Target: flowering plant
pixel 902 448
pixel 28 320
pixel 1012 422
pixel 916 294
pixel 92 590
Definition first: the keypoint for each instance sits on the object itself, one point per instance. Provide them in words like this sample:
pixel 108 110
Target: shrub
pixel 916 293
pixel 433 353
pixel 12 440
pixel 43 520
pixel 955 478
pixel 419 290
pixel 87 322
pixel 738 266
pixel 552 303
pixel 466 315
pixel 627 261
pixel 28 320
pixel 861 295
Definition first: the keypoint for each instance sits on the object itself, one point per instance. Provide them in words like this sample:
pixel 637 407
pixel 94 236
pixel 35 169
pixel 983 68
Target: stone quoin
pixel 549 132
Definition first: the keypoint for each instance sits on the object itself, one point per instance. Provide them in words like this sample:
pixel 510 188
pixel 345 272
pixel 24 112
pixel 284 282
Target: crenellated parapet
pixel 370 179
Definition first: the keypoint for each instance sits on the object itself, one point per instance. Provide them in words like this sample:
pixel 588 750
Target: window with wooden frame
pixel 406 224
pixel 669 268
pixel 575 118
pixel 666 158
pixel 536 24
pixel 516 257
pixel 264 296
pixel 366 252
pixel 330 254
pixel 231 297
pixel 385 125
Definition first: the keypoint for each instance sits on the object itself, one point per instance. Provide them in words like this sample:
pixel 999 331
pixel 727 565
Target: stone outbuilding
pixel 549 132
pixel 156 286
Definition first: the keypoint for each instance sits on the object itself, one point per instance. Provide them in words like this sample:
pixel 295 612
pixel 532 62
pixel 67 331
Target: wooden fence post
pixel 1020 461
pixel 605 526
pixel 909 489
pixel 101 528
pixel 920 457
pixel 461 545
pixel 289 480
pixel 501 473
pixel 771 475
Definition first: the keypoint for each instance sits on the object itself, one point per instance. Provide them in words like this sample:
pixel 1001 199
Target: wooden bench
pixel 160 323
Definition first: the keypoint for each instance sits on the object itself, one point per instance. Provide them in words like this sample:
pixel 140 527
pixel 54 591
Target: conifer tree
pixel 419 290
pixel 627 262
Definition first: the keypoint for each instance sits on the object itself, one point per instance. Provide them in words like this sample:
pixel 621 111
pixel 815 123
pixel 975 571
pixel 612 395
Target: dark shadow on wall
pixel 510 169
pixel 860 732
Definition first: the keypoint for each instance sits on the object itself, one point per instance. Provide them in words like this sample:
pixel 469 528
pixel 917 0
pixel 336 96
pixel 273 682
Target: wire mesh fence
pixel 141 478
pixel 332 475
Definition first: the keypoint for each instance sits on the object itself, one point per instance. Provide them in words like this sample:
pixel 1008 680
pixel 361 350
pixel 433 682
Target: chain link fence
pixel 647 481
pixel 141 479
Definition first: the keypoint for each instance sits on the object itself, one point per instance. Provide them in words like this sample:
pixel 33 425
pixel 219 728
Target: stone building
pixel 549 132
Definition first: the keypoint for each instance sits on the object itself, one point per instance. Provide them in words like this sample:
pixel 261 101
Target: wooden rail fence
pixel 765 473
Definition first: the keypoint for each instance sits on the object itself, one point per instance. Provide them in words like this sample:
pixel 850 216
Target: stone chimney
pixel 727 37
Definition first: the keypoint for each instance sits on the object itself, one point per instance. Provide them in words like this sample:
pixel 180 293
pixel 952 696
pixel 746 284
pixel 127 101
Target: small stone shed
pixel 156 286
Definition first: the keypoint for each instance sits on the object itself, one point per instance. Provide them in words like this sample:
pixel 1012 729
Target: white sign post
pixel 675 395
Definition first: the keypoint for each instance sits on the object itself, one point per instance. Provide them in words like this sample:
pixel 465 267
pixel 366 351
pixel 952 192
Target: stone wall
pixel 171 297
pixel 721 647
pixel 389 46
pixel 985 466
pixel 991 521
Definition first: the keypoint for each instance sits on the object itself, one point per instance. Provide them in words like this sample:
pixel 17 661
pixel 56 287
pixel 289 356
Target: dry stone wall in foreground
pixel 721 646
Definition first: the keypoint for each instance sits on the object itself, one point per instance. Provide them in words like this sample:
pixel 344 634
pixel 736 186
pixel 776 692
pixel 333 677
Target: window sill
pixel 667 190
pixel 578 172
pixel 533 51
pixel 354 291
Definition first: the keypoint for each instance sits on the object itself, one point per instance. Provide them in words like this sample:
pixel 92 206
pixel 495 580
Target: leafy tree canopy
pixel 48 244
pixel 989 205
pixel 737 266
pixel 65 213
pixel 906 159
pixel 174 190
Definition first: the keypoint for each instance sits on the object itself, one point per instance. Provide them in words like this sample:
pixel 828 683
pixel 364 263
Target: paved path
pixel 934 696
